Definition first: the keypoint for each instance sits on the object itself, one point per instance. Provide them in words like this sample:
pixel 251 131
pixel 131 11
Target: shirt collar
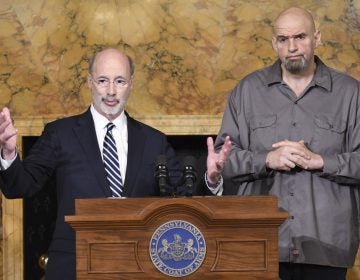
pixel 322 77
pixel 100 121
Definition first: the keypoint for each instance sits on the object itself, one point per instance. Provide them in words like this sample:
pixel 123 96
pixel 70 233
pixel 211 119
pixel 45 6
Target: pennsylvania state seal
pixel 177 248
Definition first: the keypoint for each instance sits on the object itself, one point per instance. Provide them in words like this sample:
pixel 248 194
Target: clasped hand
pixel 288 154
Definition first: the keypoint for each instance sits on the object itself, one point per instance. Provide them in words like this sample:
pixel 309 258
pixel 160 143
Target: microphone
pixel 161 174
pixel 189 174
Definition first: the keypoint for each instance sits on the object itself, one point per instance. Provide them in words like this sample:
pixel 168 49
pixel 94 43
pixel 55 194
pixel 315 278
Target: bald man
pixel 72 150
pixel 295 133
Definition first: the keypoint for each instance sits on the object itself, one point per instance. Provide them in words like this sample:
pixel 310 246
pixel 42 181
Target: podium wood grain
pixel 241 234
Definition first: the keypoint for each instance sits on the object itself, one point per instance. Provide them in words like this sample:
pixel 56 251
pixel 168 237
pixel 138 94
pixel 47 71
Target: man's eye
pixel 301 37
pixel 120 82
pixel 281 39
pixel 102 81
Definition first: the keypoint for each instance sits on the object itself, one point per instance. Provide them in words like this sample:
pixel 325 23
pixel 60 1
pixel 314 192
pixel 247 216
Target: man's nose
pixel 292 46
pixel 112 88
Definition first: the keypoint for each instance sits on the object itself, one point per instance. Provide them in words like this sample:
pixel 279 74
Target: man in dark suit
pixel 71 150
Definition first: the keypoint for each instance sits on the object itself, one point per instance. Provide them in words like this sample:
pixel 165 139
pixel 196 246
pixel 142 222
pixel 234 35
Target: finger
pixel 5 119
pixel 224 152
pixel 6 112
pixel 280 143
pixel 11 134
pixel 292 149
pixel 289 162
pixel 286 143
pixel 2 117
pixel 307 152
pixel 286 165
pixel 225 149
pixel 227 143
pixel 3 124
pixel 299 161
pixel 301 151
pixel 210 145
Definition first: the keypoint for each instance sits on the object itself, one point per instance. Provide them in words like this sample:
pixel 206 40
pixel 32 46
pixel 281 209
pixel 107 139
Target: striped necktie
pixel 111 162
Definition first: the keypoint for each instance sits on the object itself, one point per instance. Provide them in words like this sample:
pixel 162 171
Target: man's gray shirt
pixel 323 206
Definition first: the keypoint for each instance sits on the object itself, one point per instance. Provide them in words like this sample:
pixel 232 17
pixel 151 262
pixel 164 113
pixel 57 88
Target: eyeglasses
pixel 119 83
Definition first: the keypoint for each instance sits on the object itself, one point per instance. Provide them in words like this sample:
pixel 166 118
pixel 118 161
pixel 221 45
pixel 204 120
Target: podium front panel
pixel 229 237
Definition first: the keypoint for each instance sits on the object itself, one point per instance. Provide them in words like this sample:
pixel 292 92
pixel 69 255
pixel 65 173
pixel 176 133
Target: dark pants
pixel 61 266
pixel 295 271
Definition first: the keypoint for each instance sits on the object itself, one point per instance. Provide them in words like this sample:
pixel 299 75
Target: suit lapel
pixel 86 134
pixel 136 144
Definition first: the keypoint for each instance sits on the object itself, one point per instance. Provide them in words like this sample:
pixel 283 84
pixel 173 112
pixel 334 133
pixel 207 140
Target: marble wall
pixel 188 54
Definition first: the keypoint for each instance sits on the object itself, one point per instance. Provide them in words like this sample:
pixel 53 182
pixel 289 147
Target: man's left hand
pixel 311 161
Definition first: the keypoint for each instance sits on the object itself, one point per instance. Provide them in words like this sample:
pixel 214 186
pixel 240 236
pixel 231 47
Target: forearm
pixel 245 166
pixel 15 181
pixel 5 163
pixel 343 168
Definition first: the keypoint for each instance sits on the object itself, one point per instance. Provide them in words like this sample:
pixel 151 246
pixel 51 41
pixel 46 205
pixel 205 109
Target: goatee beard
pixel 295 66
pixel 113 111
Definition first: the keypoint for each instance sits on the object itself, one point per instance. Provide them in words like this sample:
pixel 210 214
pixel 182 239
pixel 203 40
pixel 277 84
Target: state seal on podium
pixel 177 248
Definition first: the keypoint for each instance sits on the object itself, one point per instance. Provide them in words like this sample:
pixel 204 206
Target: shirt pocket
pixel 329 134
pixel 262 132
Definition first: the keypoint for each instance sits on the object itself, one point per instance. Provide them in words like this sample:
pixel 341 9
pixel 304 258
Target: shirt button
pixel 294 123
pixel 291 194
pixel 292 217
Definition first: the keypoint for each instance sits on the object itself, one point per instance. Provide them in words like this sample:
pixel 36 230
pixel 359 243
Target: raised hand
pixel 216 160
pixel 7 135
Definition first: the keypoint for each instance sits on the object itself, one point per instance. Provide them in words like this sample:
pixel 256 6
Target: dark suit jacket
pixel 68 150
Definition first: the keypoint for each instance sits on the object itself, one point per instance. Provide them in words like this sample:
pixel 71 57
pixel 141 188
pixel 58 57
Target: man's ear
pixel 317 38
pixel 273 43
pixel 89 80
pixel 131 80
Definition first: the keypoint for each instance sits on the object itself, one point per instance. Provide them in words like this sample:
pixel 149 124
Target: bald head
pixel 111 53
pixel 294 15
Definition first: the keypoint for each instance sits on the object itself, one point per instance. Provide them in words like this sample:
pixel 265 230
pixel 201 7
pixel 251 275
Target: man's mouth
pixel 110 102
pixel 293 57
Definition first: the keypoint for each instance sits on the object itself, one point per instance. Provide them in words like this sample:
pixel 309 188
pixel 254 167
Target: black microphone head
pixel 190 161
pixel 189 174
pixel 189 164
pixel 160 160
pixel 161 174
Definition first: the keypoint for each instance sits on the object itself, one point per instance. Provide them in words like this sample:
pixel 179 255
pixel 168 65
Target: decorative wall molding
pixel 168 124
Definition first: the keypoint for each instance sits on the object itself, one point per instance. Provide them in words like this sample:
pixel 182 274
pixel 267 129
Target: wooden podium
pixel 233 237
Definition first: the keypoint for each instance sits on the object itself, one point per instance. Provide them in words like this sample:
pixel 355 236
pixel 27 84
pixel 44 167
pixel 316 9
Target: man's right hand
pixel 287 154
pixel 7 135
pixel 216 160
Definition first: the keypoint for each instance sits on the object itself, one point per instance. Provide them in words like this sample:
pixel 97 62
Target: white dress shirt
pixel 5 164
pixel 119 132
